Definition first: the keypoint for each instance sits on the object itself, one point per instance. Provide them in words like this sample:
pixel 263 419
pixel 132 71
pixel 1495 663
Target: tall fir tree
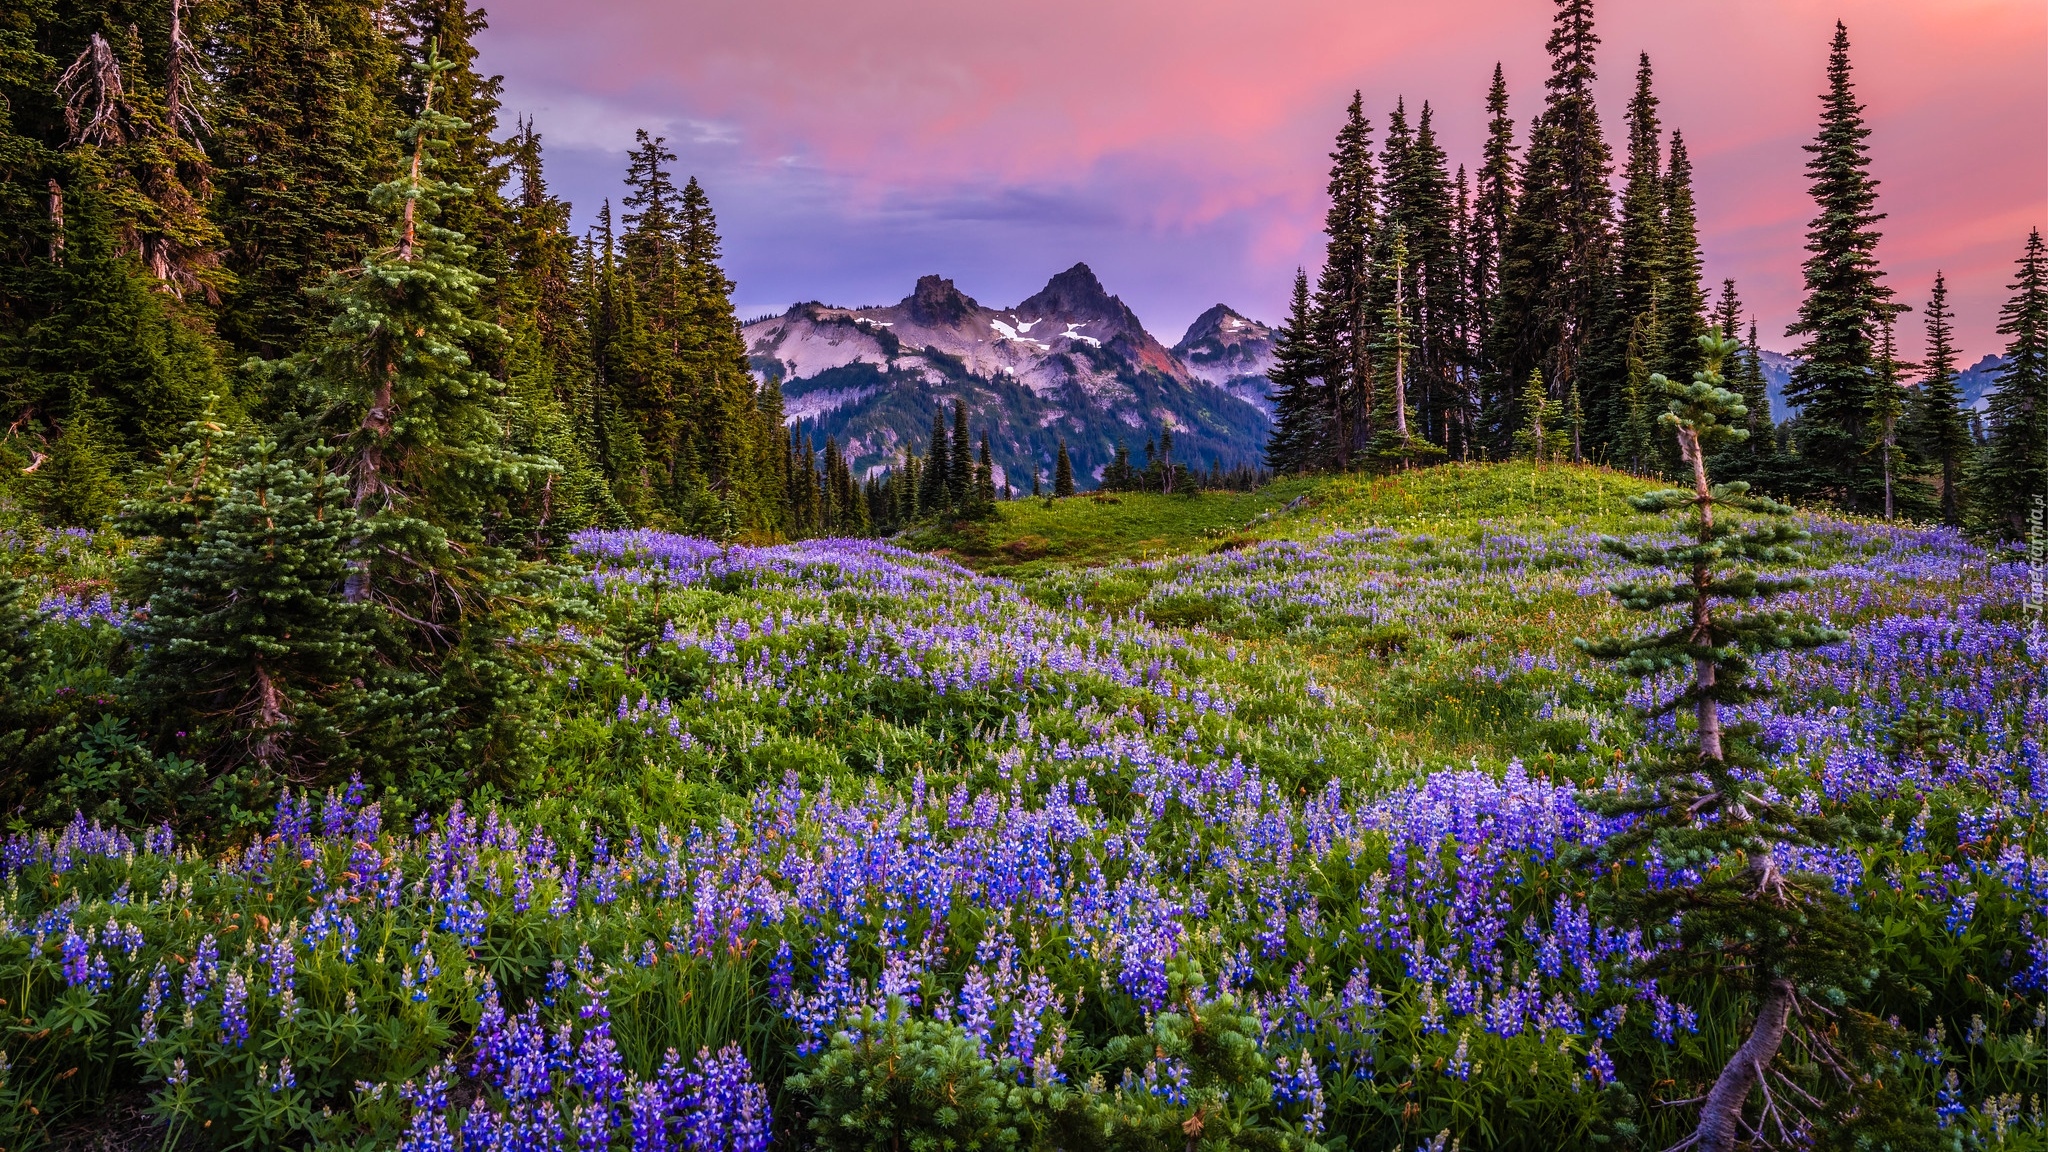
pixel 2009 487
pixel 931 493
pixel 1555 268
pixel 1834 381
pixel 1296 442
pixel 1733 900
pixel 1634 323
pixel 247 650
pixel 1682 304
pixel 422 443
pixel 960 461
pixel 1343 289
pixel 1062 472
pixel 1937 429
pixel 1493 206
pixel 302 133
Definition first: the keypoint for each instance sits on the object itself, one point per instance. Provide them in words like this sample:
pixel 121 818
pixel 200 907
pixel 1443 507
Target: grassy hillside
pixel 1312 755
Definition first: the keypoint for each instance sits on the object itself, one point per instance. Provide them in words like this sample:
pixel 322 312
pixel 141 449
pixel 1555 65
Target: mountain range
pixel 1070 363
pixel 1973 384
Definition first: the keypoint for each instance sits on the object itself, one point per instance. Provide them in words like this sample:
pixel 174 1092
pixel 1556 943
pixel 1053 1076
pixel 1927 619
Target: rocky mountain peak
pixel 1077 292
pixel 935 303
pixel 1222 327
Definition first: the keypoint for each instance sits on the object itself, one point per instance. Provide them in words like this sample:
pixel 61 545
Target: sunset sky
pixel 1178 146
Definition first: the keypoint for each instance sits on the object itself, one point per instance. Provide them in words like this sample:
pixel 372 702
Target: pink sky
pixel 1178 146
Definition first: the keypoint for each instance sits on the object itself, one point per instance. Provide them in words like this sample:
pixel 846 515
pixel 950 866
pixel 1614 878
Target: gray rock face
pixel 1232 352
pixel 1071 362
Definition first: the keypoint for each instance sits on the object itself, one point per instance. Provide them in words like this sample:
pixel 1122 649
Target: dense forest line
pixel 190 201
pixel 1524 309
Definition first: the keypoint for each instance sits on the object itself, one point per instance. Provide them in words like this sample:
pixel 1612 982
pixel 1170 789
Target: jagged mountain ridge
pixel 1974 384
pixel 1070 362
pixel 1231 351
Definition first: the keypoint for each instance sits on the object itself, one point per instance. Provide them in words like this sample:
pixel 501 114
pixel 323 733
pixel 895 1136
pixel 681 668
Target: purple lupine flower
pixel 234 1010
pixel 77 951
pixel 722 1108
pixel 428 1130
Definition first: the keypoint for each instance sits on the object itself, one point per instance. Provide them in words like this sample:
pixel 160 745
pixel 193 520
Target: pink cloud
pixel 1183 115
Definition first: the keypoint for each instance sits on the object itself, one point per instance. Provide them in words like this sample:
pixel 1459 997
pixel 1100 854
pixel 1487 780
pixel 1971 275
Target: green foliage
pixel 434 485
pixel 894 1080
pixel 1720 883
pixel 2010 482
pixel 1844 303
pixel 1544 436
pixel 1062 473
pixel 249 658
pixel 1936 428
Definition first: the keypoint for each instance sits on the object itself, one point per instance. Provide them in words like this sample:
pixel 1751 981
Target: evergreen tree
pixel 985 478
pixel 1062 473
pixel 1395 444
pixel 422 435
pixel 1636 328
pixel 300 132
pixel 1937 426
pixel 98 369
pixel 1728 898
pixel 1555 269
pixel 1834 381
pixel 2009 487
pixel 1682 304
pixel 1887 405
pixel 1300 425
pixel 246 646
pixel 931 495
pixel 1492 214
pixel 446 31
pixel 1634 443
pixel 1420 206
pixel 552 404
pixel 960 462
pixel 1343 289
pixel 1543 436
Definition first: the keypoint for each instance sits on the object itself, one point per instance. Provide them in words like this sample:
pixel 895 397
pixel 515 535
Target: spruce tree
pixel 960 462
pixel 1635 441
pixel 1937 427
pixel 1395 443
pixel 1296 442
pixel 1493 203
pixel 1887 405
pixel 1834 382
pixel 1747 457
pixel 1062 473
pixel 931 495
pixel 422 437
pixel 2009 487
pixel 1705 838
pixel 247 646
pixel 300 133
pixel 1543 436
pixel 984 478
pixel 1419 205
pixel 1635 328
pixel 1682 302
pixel 1342 300
pixel 1555 270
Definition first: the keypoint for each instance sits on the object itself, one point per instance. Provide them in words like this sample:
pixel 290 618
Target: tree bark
pixel 56 222
pixel 1720 1127
pixel 1707 709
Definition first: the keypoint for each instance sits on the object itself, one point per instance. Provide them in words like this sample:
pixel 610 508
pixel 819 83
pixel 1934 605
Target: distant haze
pixel 1179 146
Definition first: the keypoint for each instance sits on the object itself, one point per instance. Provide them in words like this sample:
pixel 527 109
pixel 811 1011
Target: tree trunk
pixel 56 222
pixel 1706 709
pixel 1720 1127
